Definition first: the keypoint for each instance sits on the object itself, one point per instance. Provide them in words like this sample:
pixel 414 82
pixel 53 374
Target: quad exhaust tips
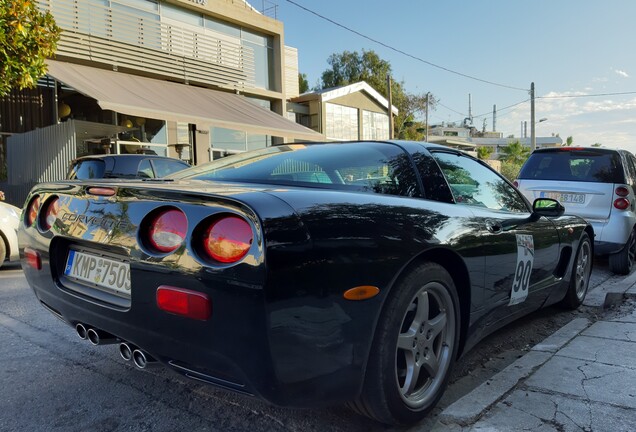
pixel 127 351
pixel 140 358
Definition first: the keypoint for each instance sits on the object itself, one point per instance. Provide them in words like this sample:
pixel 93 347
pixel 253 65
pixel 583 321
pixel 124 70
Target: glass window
pixel 590 165
pixel 182 15
pixel 341 122
pixel 474 184
pixel 145 169
pixel 375 126
pixel 165 167
pixel 221 27
pixel 87 169
pixel 378 168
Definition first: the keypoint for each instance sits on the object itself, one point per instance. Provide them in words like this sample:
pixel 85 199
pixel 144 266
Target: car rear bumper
pixel 248 346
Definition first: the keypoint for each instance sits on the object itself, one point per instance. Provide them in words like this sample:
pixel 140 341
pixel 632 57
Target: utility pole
pixel 428 95
pixel 388 85
pixel 533 136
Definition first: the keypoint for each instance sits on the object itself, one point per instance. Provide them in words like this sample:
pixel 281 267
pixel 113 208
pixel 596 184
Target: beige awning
pixel 152 98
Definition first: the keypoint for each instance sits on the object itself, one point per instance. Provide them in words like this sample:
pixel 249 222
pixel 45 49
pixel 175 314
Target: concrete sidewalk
pixel 582 378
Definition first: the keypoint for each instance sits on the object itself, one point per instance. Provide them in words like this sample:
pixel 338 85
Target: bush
pixel 510 170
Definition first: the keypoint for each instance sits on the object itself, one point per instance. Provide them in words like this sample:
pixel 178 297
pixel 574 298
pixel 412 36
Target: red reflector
pixel 187 303
pixel 33 258
pixel 621 203
pixel 621 191
pixel 228 239
pixel 100 191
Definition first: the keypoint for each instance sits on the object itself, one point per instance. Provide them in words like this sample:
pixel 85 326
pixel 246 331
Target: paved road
pixel 53 381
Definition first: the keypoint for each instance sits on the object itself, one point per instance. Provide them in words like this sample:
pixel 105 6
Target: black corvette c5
pixel 305 274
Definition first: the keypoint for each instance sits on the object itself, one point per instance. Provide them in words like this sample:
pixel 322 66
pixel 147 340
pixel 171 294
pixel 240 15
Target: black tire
pixel 580 277
pixel 422 312
pixel 3 251
pixel 622 262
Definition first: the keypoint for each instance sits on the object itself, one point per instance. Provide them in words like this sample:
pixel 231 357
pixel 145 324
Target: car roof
pixel 575 149
pixel 123 156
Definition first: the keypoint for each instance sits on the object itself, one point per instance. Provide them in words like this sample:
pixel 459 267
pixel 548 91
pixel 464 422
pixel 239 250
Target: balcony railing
pixel 120 37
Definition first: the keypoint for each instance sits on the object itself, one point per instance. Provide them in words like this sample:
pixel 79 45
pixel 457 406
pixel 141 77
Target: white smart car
pixel 9 220
pixel 597 184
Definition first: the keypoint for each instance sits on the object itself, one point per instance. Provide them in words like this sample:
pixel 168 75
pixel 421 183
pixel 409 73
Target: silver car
pixel 9 220
pixel 595 183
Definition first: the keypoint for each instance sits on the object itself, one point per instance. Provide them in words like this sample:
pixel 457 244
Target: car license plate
pixel 105 273
pixel 563 197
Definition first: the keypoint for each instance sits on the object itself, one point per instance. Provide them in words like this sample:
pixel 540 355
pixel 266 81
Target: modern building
pixel 469 139
pixel 352 112
pixel 195 79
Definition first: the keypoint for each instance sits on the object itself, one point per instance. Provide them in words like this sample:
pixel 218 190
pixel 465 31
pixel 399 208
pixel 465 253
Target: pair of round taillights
pixel 47 214
pixel 226 238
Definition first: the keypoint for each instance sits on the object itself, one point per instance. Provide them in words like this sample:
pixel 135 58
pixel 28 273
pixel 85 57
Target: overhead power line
pixel 587 95
pixel 404 52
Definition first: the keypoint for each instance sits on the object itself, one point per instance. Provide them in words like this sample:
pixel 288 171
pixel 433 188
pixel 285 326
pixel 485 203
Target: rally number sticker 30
pixel 525 258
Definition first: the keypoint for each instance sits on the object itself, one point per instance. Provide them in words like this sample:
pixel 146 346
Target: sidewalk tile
pixel 613 330
pixel 565 334
pixel 608 351
pixel 587 380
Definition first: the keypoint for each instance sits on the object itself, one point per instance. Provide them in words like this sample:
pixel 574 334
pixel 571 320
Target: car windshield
pixel 588 165
pixel 374 167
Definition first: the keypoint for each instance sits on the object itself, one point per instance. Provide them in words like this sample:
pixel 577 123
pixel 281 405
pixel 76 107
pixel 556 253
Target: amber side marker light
pixel 363 292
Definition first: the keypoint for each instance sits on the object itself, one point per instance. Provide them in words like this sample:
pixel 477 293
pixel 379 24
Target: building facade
pixel 195 79
pixel 352 112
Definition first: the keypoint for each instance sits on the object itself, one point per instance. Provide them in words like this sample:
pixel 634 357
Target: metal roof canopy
pixel 152 98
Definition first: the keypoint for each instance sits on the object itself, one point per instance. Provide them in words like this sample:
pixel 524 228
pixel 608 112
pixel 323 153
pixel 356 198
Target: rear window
pixel 580 165
pixel 373 167
pixel 87 169
pixel 165 167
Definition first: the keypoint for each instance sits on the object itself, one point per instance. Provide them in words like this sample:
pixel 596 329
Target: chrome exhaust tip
pixel 81 330
pixel 99 337
pixel 143 360
pixel 126 351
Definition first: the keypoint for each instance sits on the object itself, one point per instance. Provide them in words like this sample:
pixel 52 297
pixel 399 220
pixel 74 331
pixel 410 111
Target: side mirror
pixel 547 207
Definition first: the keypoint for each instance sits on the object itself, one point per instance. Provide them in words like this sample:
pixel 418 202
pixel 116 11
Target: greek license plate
pixel 575 198
pixel 105 273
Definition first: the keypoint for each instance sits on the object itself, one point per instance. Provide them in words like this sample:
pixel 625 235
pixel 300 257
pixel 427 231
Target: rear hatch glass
pixel 581 166
pixel 87 169
pixel 582 180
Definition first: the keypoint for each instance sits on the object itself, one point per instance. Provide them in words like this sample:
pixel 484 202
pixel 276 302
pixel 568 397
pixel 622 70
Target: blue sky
pixel 567 47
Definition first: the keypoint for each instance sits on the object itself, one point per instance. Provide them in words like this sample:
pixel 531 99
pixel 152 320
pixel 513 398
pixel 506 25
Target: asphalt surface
pixel 54 381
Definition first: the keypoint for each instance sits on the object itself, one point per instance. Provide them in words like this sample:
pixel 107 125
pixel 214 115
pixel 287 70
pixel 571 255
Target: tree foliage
pixel 569 141
pixel 352 67
pixel 484 152
pixel 515 153
pixel 27 38
pixel 303 84
pixel 510 170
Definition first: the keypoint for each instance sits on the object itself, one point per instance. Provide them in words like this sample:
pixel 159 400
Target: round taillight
pixel 167 230
pixel 228 239
pixel 49 213
pixel 621 203
pixel 621 191
pixel 32 211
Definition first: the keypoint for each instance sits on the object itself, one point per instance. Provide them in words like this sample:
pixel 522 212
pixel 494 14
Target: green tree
pixel 484 152
pixel 597 144
pixel 303 84
pixel 510 170
pixel 352 67
pixel 27 38
pixel 568 141
pixel 515 153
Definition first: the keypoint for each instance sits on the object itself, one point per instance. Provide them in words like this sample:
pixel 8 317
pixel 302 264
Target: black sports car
pixel 305 274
